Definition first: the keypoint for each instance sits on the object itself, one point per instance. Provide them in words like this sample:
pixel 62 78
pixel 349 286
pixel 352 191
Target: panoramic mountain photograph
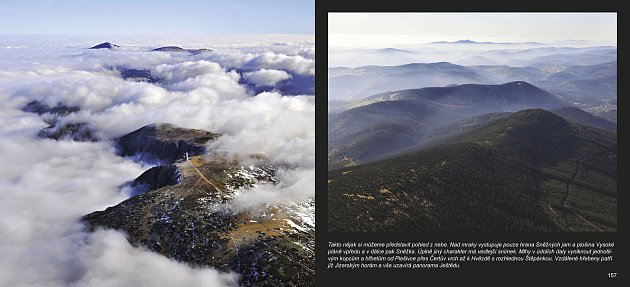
pixel 157 143
pixel 472 122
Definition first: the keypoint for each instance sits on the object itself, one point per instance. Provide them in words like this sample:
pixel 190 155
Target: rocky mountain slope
pixel 159 143
pixel 57 129
pixel 184 210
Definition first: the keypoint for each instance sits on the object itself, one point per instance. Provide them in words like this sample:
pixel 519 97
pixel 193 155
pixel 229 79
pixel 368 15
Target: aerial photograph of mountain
pixel 157 143
pixel 471 122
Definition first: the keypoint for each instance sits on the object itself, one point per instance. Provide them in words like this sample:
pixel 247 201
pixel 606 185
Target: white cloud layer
pixel 265 77
pixel 47 185
pixel 111 261
pixel 182 71
pixel 269 60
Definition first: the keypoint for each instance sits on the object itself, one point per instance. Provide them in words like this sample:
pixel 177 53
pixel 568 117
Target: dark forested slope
pixel 532 171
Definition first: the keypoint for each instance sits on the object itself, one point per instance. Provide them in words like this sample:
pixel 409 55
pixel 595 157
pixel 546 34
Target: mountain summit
pixel 163 143
pixel 180 49
pixel 184 210
pixel 106 45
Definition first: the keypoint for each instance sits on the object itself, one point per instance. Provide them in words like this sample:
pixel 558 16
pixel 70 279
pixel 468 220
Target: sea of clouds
pixel 47 185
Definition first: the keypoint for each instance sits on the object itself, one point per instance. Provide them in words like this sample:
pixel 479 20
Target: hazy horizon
pixel 399 30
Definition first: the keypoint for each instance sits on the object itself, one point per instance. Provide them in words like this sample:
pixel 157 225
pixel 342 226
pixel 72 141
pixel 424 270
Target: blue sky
pixel 157 17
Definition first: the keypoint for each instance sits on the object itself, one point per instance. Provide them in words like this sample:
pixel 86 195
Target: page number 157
pixel 612 275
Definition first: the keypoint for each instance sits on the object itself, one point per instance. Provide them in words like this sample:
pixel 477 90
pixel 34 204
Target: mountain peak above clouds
pixel 181 209
pixel 162 142
pixel 106 45
pixel 169 49
pixel 180 49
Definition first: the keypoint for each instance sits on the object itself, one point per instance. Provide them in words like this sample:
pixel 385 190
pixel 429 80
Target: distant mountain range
pixel 389 122
pixel 394 50
pixel 108 45
pixel 590 85
pixel 503 138
pixel 487 43
pixel 355 83
pixel 477 53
